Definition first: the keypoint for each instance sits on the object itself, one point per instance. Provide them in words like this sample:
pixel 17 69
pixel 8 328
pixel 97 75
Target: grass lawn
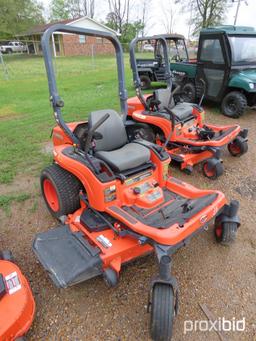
pixel 25 113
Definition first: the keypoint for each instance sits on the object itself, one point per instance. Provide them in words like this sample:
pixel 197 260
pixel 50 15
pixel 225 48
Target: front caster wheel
pixel 7 255
pixel 188 170
pixel 110 277
pixel 213 168
pixel 238 146
pixel 162 312
pixel 225 233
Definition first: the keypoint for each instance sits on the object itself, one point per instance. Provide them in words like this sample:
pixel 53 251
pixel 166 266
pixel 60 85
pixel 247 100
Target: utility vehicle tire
pixel 188 93
pixel 60 190
pixel 238 146
pixel 147 133
pixel 234 104
pixel 141 131
pixel 212 168
pixel 145 82
pixel 162 312
pixel 225 233
pixel 9 51
pixel 7 255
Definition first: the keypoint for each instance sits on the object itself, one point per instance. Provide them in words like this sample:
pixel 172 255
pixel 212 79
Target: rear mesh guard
pixel 67 257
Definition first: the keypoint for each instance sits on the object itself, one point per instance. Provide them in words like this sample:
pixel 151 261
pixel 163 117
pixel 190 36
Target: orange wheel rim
pixel 209 170
pixel 51 195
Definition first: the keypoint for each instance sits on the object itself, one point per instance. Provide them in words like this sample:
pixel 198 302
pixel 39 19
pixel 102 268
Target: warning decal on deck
pixel 13 283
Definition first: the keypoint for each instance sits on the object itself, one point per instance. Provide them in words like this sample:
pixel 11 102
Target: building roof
pixel 40 29
pixel 230 29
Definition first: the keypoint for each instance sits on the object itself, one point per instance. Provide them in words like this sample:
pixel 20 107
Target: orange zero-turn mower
pixel 179 126
pixel 116 202
pixel 17 305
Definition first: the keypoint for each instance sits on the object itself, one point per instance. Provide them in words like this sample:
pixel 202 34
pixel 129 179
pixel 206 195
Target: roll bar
pixel 136 78
pixel 57 103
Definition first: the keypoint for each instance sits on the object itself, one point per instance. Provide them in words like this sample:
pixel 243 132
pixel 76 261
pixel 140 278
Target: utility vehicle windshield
pixel 177 50
pixel 243 49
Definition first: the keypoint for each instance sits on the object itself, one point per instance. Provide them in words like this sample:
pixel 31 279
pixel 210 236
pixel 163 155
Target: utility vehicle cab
pixel 226 62
pixel 152 68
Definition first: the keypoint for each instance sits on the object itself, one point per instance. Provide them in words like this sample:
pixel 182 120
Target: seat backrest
pixel 164 96
pixel 112 130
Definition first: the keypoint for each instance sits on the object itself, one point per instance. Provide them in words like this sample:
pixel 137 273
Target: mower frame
pixel 130 235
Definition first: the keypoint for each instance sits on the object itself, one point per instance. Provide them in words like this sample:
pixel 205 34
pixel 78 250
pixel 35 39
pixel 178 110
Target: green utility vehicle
pixel 226 65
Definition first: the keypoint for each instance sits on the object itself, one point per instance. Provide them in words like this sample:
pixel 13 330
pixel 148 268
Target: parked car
pixel 12 47
pixel 148 48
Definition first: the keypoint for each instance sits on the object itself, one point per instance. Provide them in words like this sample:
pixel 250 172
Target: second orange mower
pixel 163 118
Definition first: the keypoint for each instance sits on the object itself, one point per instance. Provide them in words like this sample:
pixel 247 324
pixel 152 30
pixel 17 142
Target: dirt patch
pixel 47 148
pixel 221 277
pixel 247 188
pixel 20 184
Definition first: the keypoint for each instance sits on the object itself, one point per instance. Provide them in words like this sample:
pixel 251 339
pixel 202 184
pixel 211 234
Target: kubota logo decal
pixel 143 117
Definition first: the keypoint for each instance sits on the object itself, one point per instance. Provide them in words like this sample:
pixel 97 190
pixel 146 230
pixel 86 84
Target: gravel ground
pixel 223 278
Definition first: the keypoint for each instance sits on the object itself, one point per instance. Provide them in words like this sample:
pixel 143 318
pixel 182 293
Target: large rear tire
pixel 60 190
pixel 234 104
pixel 162 312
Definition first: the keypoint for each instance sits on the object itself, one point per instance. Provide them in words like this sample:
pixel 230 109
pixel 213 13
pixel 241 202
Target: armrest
pixel 159 152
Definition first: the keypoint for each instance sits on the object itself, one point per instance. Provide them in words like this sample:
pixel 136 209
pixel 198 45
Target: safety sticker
pixel 13 283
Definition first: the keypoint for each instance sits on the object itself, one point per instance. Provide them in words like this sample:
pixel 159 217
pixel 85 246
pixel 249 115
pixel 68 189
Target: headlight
pixel 252 86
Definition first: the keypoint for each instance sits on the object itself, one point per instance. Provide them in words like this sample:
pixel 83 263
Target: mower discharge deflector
pixel 67 257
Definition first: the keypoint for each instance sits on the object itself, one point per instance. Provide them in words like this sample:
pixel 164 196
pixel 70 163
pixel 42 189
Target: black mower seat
pixel 113 147
pixel 183 110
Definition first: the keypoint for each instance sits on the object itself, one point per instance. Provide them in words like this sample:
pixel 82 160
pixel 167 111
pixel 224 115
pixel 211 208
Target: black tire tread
pixel 67 187
pixel 147 80
pixel 242 100
pixel 162 312
pixel 229 231
pixel 193 88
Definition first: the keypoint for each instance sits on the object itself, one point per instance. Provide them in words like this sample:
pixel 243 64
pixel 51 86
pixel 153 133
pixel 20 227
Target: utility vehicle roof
pixel 230 29
pixel 169 36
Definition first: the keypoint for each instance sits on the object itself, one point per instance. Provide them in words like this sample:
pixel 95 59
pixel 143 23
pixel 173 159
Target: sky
pixel 159 11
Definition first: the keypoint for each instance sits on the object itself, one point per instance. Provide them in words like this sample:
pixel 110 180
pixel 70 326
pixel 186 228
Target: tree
pixel 145 6
pixel 204 13
pixel 16 16
pixel 71 9
pixel 119 15
pixel 169 13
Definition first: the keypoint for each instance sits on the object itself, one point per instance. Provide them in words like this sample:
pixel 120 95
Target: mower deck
pixel 17 305
pixel 69 258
